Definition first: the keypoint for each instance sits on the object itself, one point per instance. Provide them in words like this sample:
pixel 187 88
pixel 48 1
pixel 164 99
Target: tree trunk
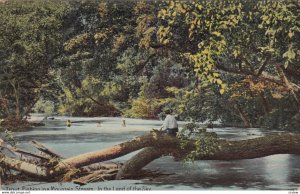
pixel 289 85
pixel 45 150
pixel 4 105
pixel 17 98
pixel 135 163
pixel 96 176
pixel 242 115
pixel 155 144
pixel 29 107
pixel 102 155
pixel 265 103
pixel 24 167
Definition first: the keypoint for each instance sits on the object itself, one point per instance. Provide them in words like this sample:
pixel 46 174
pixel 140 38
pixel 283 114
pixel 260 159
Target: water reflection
pixel 242 174
pixel 276 168
pixel 294 171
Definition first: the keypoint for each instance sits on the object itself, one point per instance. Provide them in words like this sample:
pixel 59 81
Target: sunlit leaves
pixel 146 108
pixel 118 42
pixel 204 65
pixel 78 41
pixel 289 55
pixel 209 24
pixel 102 9
pixel 101 37
pixel 163 34
pixel 280 20
pixel 205 26
pixel 144 30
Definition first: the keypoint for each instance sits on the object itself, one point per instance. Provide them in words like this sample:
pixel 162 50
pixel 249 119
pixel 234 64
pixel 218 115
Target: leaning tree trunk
pixel 243 116
pixel 291 87
pixel 266 105
pixel 135 163
pixel 152 145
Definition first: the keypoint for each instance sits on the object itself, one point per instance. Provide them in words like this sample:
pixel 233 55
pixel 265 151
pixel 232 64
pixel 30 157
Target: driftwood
pixel 87 167
pixel 24 167
pixel 20 152
pixel 99 175
pixel 26 153
pixel 44 149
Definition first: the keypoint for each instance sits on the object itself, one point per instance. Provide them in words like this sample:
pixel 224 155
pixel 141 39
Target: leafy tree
pixel 241 47
pixel 154 96
pixel 109 46
pixel 233 61
pixel 30 39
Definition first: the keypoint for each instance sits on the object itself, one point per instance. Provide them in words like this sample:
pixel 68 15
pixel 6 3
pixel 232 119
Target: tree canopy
pixel 232 61
pixel 31 38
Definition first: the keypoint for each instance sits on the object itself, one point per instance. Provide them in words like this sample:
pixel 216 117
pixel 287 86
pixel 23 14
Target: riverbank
pixel 40 120
pixel 17 125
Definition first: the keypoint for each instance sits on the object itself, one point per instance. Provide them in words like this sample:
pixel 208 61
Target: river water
pixel 277 172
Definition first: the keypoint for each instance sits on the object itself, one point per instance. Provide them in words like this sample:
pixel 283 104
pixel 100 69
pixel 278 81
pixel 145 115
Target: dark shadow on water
pixel 249 174
pixel 142 124
pixel 294 174
pixel 49 128
pixel 242 181
pixel 93 121
pixel 80 137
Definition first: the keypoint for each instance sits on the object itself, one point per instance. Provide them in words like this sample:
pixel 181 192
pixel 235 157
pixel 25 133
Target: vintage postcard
pixel 141 95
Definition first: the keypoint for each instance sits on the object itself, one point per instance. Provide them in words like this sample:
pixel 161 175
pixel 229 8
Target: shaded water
pixel 272 172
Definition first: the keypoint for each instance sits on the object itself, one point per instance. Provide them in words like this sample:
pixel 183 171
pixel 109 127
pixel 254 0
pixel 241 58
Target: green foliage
pixel 31 35
pixel 80 103
pixel 205 143
pixel 206 60
pixel 145 108
pixel 103 47
pixel 203 22
pixel 9 137
pixel 44 106
pixel 235 43
pixel 281 21
pixel 155 94
pixel 209 31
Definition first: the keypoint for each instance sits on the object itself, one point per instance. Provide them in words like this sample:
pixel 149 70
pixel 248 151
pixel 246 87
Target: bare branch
pixel 262 67
pixel 44 149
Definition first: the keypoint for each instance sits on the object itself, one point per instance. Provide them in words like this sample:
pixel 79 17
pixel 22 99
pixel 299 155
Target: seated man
pixel 170 124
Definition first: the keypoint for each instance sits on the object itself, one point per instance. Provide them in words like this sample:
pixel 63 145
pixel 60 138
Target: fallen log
pixel 135 163
pixel 154 145
pixel 99 175
pixel 228 150
pixel 24 152
pixel 282 143
pixel 103 166
pixel 45 149
pixel 107 154
pixel 17 152
pixel 24 167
